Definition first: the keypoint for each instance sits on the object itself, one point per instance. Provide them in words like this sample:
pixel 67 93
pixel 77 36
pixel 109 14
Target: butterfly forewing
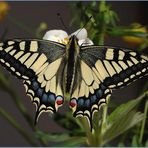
pixel 116 67
pixel 37 62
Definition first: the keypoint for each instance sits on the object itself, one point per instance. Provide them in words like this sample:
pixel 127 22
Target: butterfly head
pixel 73 44
pixel 74 39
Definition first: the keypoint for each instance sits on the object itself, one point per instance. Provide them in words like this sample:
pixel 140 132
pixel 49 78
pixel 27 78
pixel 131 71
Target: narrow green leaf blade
pixel 120 126
pixel 123 109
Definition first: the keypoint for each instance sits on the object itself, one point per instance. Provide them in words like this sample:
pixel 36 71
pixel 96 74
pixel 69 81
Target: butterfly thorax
pixel 72 52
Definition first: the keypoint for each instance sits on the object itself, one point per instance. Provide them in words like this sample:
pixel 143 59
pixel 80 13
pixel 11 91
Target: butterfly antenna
pixel 61 20
pixel 84 25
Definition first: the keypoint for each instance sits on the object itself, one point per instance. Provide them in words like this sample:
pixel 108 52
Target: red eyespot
pixel 73 103
pixel 59 100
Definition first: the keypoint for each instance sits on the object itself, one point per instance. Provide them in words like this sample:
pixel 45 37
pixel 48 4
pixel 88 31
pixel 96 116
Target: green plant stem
pixel 143 122
pixel 104 116
pixel 85 126
pixel 101 35
pixel 102 24
pixel 17 127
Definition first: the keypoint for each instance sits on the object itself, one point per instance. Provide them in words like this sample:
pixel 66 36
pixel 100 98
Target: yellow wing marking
pixel 86 73
pixel 39 62
pixel 52 69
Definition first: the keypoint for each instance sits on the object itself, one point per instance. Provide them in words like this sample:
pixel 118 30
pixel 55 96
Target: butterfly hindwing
pixel 88 93
pixel 37 62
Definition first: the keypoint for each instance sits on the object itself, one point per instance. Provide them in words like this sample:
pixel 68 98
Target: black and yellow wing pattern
pixel 37 63
pixel 102 69
pixel 95 72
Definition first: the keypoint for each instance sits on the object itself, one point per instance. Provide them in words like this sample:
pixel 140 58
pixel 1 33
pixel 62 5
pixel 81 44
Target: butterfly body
pixel 72 53
pixel 49 70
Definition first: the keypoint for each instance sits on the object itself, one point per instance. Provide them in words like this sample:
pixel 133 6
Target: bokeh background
pixel 31 14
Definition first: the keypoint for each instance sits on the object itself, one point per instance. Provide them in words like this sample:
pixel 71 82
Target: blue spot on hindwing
pixel 51 98
pixel 99 93
pixel 35 85
pixel 39 92
pixel 80 102
pixel 87 103
pixel 93 99
pixel 44 98
pixel 103 87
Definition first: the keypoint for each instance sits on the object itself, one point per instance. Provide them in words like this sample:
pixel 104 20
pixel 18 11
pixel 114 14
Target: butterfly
pixel 89 73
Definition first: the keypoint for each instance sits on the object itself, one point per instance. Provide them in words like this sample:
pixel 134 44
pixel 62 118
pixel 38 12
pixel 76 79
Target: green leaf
pixel 123 118
pixel 146 143
pixel 123 109
pixel 123 31
pixel 121 144
pixel 52 137
pixel 143 46
pixel 126 122
pixel 61 139
pixel 134 141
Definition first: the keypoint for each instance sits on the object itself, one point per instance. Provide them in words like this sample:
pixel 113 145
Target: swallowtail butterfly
pixel 50 69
